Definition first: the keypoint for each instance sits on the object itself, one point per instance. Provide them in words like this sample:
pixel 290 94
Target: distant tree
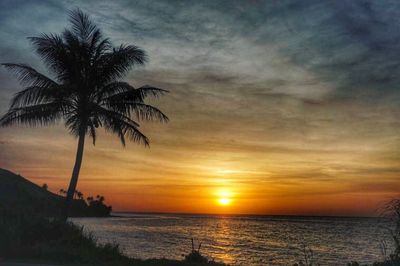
pixel 77 194
pixel 86 92
pixel 45 186
pixel 97 207
pixel 80 195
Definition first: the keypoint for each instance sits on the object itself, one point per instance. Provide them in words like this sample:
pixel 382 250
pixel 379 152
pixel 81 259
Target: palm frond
pixel 75 122
pixel 120 125
pixel 81 23
pixel 34 95
pixel 40 114
pixel 29 76
pixel 100 112
pixel 117 91
pixel 92 132
pixel 116 63
pixel 147 90
pixel 141 110
pixel 111 89
pixel 126 99
pixel 148 112
pixel 72 123
pixel 74 44
pixel 125 129
pixel 101 48
pixel 96 38
pixel 53 51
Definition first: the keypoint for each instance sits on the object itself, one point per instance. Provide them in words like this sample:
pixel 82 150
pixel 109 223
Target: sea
pixel 246 240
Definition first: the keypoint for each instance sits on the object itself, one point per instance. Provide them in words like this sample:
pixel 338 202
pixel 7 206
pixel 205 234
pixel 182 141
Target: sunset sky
pixel 275 107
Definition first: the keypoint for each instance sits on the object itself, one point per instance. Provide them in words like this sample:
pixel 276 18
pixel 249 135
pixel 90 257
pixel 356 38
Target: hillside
pixel 20 195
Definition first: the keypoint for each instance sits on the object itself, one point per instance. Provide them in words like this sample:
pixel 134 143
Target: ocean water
pixel 245 240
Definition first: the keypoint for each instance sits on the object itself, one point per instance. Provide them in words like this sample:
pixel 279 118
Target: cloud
pixel 353 44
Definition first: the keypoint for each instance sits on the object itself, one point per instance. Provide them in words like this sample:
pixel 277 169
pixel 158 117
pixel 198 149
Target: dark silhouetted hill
pixel 21 195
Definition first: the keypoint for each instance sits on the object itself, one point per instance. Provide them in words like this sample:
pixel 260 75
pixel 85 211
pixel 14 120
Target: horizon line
pixel 246 214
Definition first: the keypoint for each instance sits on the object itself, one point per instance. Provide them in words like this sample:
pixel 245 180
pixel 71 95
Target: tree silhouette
pixel 86 92
pixel 79 195
pixel 96 207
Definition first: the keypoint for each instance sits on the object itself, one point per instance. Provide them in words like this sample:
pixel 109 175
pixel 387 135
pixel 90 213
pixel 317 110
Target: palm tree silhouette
pixel 86 92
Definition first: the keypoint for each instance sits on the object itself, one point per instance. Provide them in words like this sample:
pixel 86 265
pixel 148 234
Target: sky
pixel 275 107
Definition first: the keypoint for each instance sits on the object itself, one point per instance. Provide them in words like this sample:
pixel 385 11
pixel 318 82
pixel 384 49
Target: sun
pixel 224 201
pixel 224 197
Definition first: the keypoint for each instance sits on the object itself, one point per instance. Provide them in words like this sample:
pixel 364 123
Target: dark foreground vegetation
pixel 29 237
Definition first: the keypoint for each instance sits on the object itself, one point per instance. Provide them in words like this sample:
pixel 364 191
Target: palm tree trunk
pixel 74 177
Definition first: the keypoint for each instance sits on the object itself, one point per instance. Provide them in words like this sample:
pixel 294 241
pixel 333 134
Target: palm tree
pixel 86 91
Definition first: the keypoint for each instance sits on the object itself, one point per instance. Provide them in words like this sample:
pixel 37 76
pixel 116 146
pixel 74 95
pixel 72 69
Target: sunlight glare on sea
pixel 244 240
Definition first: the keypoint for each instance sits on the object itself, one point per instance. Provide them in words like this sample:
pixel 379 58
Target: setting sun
pixel 224 197
pixel 224 201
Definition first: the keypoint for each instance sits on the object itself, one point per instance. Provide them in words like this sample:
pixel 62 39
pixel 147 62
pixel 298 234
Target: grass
pixel 29 237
